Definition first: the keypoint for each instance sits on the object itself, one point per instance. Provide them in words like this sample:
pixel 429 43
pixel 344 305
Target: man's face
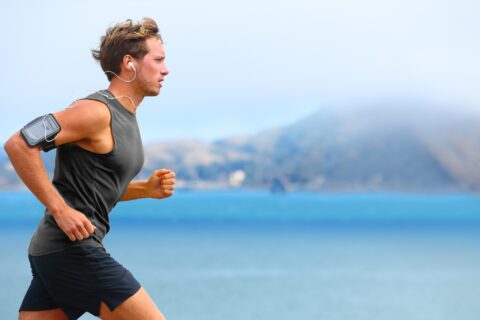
pixel 151 70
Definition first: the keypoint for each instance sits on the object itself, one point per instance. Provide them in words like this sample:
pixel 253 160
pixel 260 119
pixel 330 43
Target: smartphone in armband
pixel 41 132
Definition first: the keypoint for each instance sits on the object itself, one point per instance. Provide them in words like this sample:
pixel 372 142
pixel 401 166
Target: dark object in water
pixel 277 186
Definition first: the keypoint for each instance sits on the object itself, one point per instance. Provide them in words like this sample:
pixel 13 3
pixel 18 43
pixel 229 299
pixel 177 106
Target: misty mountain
pixel 378 148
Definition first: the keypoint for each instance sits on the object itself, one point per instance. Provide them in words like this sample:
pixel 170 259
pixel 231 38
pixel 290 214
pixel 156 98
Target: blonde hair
pixel 124 38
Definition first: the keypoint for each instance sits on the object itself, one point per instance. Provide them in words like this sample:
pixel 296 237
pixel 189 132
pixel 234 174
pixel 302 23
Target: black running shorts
pixel 77 280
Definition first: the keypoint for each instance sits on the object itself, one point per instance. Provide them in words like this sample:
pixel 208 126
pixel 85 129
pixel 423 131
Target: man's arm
pixel 29 166
pixel 159 185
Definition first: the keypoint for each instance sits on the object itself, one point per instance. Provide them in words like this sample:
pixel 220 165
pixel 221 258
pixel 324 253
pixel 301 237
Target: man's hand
pixel 161 184
pixel 74 223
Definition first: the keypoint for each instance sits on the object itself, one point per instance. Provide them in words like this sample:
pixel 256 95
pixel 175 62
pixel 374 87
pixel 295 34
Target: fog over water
pixel 240 67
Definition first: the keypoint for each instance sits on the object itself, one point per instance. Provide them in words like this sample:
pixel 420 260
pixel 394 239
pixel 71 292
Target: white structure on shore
pixel 236 178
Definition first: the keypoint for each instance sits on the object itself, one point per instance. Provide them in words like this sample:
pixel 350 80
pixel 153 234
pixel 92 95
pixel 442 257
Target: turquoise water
pixel 253 255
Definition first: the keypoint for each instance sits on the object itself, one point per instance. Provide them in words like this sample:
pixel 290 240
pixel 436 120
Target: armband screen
pixel 41 132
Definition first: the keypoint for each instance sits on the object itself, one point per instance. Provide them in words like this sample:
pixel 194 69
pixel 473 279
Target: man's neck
pixel 126 94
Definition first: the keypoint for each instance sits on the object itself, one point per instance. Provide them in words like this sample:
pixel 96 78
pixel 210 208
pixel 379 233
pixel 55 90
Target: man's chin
pixel 152 93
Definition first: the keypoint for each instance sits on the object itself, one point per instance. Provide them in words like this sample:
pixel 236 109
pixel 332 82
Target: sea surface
pixel 228 255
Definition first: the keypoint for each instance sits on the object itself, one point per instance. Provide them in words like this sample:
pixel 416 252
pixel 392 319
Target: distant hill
pixel 379 148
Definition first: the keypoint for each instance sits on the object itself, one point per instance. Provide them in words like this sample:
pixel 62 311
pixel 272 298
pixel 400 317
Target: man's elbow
pixel 14 145
pixel 9 145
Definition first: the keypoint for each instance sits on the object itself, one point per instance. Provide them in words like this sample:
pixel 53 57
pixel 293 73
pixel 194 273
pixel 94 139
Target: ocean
pixel 235 254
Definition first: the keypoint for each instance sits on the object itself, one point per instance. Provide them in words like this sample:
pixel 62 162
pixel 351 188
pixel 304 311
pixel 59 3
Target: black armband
pixel 41 132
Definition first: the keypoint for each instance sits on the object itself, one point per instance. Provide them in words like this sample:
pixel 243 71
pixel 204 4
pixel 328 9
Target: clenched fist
pixel 161 184
pixel 74 223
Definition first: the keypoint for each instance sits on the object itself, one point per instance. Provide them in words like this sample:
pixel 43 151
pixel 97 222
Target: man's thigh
pixel 54 314
pixel 138 307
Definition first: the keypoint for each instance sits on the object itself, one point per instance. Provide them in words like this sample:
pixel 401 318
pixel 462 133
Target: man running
pixel 99 152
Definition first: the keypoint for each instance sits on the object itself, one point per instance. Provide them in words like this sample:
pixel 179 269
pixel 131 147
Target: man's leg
pixel 53 314
pixel 138 307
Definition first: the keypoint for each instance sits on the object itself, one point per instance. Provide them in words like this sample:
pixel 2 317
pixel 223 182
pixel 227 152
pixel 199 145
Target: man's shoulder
pixel 90 107
pixel 87 112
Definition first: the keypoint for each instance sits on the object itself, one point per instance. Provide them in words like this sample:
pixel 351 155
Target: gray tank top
pixel 92 183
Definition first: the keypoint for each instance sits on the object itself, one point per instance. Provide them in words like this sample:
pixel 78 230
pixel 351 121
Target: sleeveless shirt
pixel 92 183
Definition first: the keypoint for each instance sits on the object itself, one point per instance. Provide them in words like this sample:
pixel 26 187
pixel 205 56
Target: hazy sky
pixel 238 67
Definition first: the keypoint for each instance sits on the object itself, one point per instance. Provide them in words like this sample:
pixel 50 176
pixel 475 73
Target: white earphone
pixel 130 66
